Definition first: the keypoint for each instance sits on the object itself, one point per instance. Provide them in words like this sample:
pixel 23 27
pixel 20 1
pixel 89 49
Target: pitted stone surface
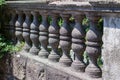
pixel 34 70
pixel 19 67
pixel 29 67
pixel 53 74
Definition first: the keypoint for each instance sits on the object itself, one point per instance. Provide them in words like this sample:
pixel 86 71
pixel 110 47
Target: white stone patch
pixel 111 48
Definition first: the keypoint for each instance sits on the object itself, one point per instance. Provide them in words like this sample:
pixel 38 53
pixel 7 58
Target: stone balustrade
pixel 45 38
pixel 38 37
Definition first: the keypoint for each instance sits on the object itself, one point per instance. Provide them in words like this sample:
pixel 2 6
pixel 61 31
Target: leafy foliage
pixel 2 2
pixel 7 46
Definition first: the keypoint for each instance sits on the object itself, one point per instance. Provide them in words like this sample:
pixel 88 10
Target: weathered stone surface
pixel 5 67
pixel 34 70
pixel 19 66
pixel 111 49
pixel 53 74
pixel 31 67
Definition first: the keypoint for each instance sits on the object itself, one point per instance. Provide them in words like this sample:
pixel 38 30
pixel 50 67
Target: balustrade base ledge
pixel 52 70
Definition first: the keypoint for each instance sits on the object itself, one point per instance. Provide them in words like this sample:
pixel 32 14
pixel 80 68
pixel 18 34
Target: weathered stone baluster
pixel 54 38
pixel 34 36
pixel 12 26
pixel 43 38
pixel 26 31
pixel 19 27
pixel 78 43
pixel 65 41
pixel 93 48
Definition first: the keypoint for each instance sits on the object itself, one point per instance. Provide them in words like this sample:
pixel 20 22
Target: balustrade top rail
pixel 98 6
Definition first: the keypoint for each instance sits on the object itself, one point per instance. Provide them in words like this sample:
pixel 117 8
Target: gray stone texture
pixel 111 49
pixel 5 67
pixel 19 67
pixel 34 70
pixel 31 67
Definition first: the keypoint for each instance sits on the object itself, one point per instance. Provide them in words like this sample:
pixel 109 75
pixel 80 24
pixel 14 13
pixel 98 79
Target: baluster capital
pixel 13 18
pixel 93 17
pixel 43 12
pixel 78 16
pixel 34 13
pixel 19 12
pixel 65 17
pixel 27 13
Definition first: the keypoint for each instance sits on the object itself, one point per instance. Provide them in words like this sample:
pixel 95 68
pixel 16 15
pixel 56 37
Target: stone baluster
pixel 54 38
pixel 19 27
pixel 93 48
pixel 43 38
pixel 34 36
pixel 65 41
pixel 12 26
pixel 26 31
pixel 78 43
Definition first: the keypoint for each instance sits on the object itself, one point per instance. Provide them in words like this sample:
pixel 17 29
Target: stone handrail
pixel 39 35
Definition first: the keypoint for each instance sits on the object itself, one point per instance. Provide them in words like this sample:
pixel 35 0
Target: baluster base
pixel 93 71
pixel 26 48
pixel 34 50
pixel 43 53
pixel 54 57
pixel 66 62
pixel 78 66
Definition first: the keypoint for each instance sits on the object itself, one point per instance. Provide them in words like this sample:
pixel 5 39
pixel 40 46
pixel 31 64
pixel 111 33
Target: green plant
pixel 7 46
pixel 2 2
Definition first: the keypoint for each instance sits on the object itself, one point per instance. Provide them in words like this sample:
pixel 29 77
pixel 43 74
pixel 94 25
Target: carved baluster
pixel 78 43
pixel 93 48
pixel 54 38
pixel 34 36
pixel 43 38
pixel 12 26
pixel 19 27
pixel 65 41
pixel 26 31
